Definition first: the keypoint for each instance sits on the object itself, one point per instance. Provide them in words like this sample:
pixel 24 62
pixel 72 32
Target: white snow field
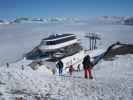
pixel 113 80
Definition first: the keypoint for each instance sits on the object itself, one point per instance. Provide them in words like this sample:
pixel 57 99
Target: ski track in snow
pixel 112 81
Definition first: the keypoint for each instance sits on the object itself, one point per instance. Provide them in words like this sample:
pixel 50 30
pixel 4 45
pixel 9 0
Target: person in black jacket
pixel 60 67
pixel 87 64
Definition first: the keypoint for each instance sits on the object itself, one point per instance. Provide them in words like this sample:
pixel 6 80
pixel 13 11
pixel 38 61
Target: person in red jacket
pixel 87 64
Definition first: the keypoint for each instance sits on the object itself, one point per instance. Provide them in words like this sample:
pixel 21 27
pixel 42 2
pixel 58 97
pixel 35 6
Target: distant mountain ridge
pixel 101 20
pixel 118 20
pixel 3 22
pixel 129 21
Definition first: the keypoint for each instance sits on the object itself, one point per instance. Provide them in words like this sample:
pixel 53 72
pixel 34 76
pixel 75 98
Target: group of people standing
pixel 87 66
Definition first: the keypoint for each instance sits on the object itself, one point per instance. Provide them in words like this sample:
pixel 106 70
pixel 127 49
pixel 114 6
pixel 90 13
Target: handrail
pixel 107 51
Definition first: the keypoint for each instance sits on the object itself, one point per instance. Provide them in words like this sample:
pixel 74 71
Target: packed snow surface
pixel 112 81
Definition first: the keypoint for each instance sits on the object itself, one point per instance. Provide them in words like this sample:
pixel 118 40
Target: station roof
pixel 57 36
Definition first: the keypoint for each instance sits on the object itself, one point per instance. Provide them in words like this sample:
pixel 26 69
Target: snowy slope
pixel 112 81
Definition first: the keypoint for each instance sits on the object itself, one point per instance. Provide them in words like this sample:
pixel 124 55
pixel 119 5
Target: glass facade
pixel 54 42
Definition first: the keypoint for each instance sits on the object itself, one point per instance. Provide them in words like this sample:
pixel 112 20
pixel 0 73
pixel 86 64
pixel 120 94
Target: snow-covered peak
pixel 4 22
pixel 125 20
pixel 27 20
pixel 47 20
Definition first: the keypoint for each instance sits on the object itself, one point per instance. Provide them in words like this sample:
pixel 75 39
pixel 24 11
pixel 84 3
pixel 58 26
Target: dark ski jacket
pixel 86 62
pixel 59 64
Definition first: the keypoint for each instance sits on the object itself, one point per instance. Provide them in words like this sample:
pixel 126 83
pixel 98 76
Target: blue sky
pixel 65 8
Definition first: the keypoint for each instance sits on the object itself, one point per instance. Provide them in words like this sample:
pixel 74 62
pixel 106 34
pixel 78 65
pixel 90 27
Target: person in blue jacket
pixel 60 67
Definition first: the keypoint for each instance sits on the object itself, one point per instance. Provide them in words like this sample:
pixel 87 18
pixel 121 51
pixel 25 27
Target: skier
pixel 53 71
pixel 60 67
pixel 87 64
pixel 71 69
pixel 22 66
pixel 7 65
pixel 78 68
